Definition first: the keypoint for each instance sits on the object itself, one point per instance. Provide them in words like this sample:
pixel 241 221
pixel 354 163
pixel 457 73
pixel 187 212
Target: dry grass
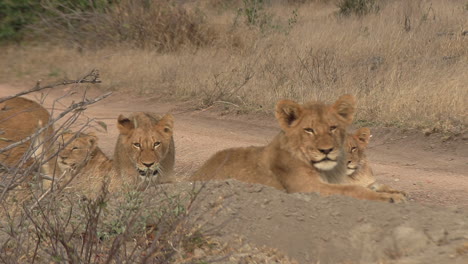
pixel 406 64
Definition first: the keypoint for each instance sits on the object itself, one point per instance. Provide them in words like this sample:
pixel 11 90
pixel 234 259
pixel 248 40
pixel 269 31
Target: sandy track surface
pixel 431 171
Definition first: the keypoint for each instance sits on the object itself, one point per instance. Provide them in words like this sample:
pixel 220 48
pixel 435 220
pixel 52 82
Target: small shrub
pixel 253 11
pixel 16 15
pixel 300 2
pixel 164 25
pixel 357 7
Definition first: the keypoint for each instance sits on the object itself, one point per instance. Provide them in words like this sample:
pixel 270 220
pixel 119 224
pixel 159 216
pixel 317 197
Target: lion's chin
pixel 325 165
pixel 350 171
pixel 65 166
pixel 147 173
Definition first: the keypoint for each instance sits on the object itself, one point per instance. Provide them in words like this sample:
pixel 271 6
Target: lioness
pixel 145 148
pixel 306 156
pixel 19 119
pixel 358 169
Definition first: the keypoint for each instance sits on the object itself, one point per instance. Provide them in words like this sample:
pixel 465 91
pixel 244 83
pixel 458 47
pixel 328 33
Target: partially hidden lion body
pixel 145 150
pixel 82 159
pixel 306 156
pixel 21 118
pixel 358 170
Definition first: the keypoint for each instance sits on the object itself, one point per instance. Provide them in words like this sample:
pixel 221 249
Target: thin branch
pixel 91 77
pixel 76 106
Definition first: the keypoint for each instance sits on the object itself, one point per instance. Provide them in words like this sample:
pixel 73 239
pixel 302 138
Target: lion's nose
pixel 148 164
pixel 326 151
pixel 349 162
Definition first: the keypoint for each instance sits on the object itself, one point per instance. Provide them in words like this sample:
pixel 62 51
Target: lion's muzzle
pixel 351 168
pixel 324 164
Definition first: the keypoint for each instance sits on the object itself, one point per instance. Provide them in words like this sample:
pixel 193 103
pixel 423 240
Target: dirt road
pixel 306 227
pixel 430 170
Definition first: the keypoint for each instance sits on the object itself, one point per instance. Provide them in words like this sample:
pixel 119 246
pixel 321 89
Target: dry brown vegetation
pixel 407 64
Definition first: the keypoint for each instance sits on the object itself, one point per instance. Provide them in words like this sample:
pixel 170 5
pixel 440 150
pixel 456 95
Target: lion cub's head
pixel 77 151
pixel 146 143
pixel 355 145
pixel 315 132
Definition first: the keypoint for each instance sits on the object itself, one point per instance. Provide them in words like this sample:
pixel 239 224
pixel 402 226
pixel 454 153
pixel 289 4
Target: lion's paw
pixel 394 197
pixel 382 188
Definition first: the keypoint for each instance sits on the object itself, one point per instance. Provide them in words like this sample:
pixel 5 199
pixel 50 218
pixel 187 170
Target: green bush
pixel 253 10
pixel 357 7
pixel 16 15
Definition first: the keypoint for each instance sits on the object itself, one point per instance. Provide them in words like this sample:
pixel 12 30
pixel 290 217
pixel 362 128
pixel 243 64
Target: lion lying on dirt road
pixel 145 148
pixel 82 158
pixel 144 152
pixel 306 156
pixel 358 169
pixel 83 153
pixel 19 119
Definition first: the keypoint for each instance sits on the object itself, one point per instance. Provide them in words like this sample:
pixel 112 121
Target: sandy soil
pixel 432 169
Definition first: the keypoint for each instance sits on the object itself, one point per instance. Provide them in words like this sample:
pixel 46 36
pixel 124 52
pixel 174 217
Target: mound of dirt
pixel 335 229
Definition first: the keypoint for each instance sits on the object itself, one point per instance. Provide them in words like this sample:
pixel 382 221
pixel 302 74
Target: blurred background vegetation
pixel 405 60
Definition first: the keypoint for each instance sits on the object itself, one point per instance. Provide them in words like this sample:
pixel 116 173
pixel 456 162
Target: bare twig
pixel 74 107
pixel 92 77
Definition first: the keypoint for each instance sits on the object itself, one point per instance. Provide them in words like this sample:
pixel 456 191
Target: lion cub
pixel 306 156
pixel 144 152
pixel 358 170
pixel 81 152
pixel 82 159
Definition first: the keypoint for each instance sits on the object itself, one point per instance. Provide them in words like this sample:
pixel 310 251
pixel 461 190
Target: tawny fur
pixel 19 119
pixel 359 171
pixel 145 150
pixel 306 156
pixel 145 138
pixel 84 160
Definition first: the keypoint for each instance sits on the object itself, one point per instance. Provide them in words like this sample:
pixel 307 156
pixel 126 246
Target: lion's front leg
pixel 309 181
pixel 382 188
pixel 360 192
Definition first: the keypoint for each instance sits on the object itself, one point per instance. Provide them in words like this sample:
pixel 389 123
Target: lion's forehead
pixel 320 119
pixel 78 141
pixel 351 143
pixel 147 136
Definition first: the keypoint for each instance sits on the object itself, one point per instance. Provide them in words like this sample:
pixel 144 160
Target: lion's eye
pixel 156 144
pixel 332 128
pixel 309 130
pixel 353 149
pixel 74 148
pixel 137 145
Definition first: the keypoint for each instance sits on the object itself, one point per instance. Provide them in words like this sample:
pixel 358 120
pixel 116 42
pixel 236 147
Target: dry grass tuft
pixel 406 63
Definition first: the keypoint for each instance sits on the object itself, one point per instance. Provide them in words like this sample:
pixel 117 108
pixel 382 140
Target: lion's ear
pixel 167 122
pixel 345 106
pixel 363 136
pixel 124 125
pixel 92 139
pixel 287 112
